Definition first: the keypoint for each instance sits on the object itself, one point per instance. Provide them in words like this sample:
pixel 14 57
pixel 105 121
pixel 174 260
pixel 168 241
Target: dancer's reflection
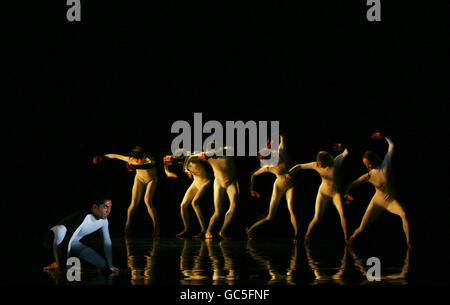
pixel 282 186
pixel 400 276
pixel 193 262
pixel 194 169
pixel 383 199
pixel 225 183
pixel 328 168
pixel 265 260
pixel 67 235
pixel 196 264
pixel 142 265
pixel 222 263
pixel 145 182
pixel 319 272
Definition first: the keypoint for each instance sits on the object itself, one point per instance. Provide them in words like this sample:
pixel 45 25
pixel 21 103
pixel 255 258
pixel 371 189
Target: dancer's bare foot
pixel 185 233
pixel 221 234
pixel 199 235
pixel 208 235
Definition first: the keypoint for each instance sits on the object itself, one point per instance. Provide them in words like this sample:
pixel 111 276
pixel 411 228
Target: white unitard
pixel 282 186
pixel 330 185
pixel 383 199
pixel 145 182
pixel 378 177
pixel 328 189
pixel 142 175
pixel 75 247
pixel 201 180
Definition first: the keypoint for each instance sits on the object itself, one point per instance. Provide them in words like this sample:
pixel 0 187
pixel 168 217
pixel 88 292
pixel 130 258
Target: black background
pixel 128 70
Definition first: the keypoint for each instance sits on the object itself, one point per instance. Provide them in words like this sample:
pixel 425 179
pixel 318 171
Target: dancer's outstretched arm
pixel 363 179
pixel 297 167
pixel 100 158
pixel 117 156
pixel 257 172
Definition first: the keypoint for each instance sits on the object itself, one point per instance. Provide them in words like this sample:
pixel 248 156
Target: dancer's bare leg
pixel 148 199
pixel 136 194
pixel 371 213
pixel 321 204
pixel 277 194
pixel 290 199
pixel 196 206
pixel 218 205
pixel 395 208
pixel 233 195
pixel 337 201
pixel 187 199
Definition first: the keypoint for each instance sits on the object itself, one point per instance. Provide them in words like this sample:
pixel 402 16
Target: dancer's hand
pixel 129 167
pixel 51 267
pixel 97 159
pixel 167 159
pixel 376 135
pixel 202 156
pixel 287 177
pixel 189 174
pixel 255 194
pixel 348 198
pixel 171 175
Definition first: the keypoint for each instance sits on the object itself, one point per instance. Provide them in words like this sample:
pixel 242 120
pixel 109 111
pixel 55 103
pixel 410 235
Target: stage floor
pixel 174 261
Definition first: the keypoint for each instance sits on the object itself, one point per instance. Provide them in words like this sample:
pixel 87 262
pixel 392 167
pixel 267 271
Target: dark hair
pixel 325 157
pixel 99 197
pixel 372 157
pixel 138 152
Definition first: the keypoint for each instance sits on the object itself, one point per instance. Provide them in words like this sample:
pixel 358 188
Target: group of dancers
pixel 225 184
pixel 69 231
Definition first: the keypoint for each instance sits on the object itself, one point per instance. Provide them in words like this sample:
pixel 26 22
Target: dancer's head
pixel 101 205
pixel 371 159
pixel 138 154
pixel 324 159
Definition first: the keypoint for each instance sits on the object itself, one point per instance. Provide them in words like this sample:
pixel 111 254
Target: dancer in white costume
pixel 383 199
pixel 282 186
pixel 144 180
pixel 330 188
pixel 68 232
pixel 194 168
pixel 225 182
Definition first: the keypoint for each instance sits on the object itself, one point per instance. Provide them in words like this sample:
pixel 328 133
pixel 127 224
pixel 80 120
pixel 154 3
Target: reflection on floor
pixel 174 261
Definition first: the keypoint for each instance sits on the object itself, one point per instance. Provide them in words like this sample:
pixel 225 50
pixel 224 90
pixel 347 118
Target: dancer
pixel 194 168
pixel 282 186
pixel 383 199
pixel 328 169
pixel 225 182
pixel 145 179
pixel 69 231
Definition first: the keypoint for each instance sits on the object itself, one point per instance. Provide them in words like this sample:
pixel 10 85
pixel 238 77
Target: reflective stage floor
pixel 174 261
